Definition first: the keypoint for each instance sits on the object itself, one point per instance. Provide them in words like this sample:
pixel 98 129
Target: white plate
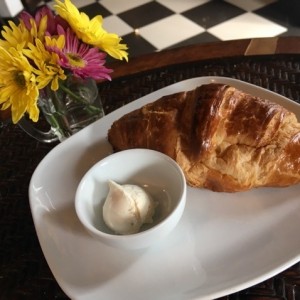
pixel 223 243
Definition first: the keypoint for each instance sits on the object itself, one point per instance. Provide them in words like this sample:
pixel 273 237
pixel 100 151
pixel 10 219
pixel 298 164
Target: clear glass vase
pixel 75 105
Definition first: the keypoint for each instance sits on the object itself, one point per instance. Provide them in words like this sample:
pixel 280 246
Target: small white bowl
pixel 157 173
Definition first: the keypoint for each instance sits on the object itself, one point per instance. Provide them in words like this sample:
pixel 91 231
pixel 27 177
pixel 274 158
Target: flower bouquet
pixel 45 60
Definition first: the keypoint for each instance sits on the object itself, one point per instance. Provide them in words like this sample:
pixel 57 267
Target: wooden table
pixel 273 63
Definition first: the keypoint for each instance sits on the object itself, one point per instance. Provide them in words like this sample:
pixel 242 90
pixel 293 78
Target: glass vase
pixel 75 105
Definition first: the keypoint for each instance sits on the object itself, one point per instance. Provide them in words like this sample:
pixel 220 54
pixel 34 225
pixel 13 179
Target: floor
pixel 154 25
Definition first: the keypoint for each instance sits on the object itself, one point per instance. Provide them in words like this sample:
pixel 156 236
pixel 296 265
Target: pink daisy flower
pixel 52 20
pixel 82 60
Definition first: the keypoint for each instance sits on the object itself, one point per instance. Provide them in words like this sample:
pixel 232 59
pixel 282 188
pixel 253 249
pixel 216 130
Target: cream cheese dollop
pixel 127 207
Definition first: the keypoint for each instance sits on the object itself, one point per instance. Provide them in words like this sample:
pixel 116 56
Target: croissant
pixel 223 139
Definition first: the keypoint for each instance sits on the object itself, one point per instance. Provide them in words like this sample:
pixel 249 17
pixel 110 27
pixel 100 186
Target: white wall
pixel 10 8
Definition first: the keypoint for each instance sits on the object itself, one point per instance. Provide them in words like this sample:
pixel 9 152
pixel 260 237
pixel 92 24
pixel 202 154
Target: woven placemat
pixel 24 273
pixel 280 73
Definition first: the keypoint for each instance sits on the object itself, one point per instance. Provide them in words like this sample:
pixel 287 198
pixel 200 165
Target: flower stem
pixel 73 95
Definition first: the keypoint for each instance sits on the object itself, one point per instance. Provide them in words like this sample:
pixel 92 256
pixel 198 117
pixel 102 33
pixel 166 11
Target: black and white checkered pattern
pixel 149 25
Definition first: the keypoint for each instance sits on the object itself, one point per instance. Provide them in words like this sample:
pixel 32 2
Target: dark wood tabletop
pixel 272 63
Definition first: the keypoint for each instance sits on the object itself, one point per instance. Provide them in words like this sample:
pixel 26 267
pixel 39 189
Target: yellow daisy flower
pixel 57 42
pixel 48 70
pixel 91 31
pixel 15 36
pixel 18 90
pixel 38 31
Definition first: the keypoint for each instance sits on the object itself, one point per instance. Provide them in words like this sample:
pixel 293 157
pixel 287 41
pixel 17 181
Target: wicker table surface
pixel 271 63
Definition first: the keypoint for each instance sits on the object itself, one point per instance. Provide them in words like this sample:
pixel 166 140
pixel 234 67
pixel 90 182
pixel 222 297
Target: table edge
pixel 206 51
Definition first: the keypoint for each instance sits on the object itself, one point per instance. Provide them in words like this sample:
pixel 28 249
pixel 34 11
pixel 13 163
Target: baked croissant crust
pixel 224 139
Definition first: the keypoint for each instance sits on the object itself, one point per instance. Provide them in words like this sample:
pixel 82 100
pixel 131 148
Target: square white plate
pixel 223 243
